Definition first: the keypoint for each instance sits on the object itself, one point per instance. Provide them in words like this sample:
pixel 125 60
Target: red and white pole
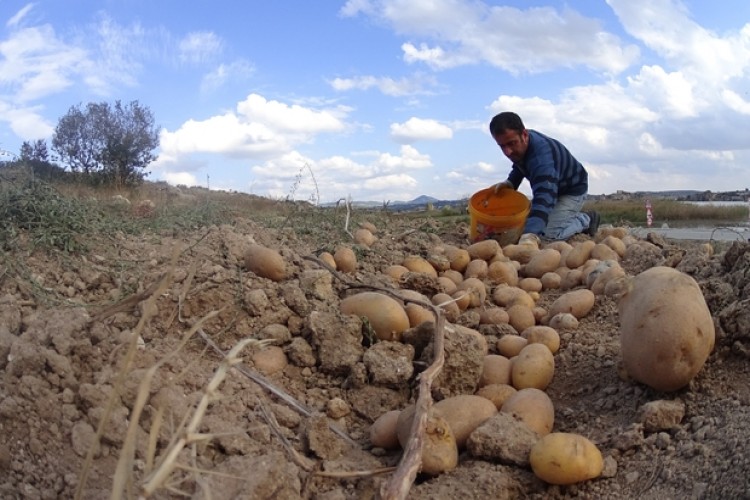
pixel 649 215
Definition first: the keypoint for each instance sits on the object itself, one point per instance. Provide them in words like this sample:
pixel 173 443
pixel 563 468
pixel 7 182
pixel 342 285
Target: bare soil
pixel 67 322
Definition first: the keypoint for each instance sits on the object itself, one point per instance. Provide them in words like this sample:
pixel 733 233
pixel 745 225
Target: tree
pixel 34 152
pixel 111 144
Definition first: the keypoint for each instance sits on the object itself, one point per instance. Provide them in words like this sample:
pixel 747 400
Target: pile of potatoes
pixel 504 286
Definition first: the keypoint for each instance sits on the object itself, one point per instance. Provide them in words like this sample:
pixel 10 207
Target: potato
pixel 617 232
pixel 530 284
pixel 511 345
pixel 439 261
pixel 603 252
pixel 500 272
pixel 564 458
pixel 544 261
pixel 269 360
pixel 327 257
pixel 439 449
pixel 417 264
pixel 453 275
pixel 577 302
pixel 534 367
pixel 477 268
pixel 383 430
pixel 265 262
pixel 464 413
pixel 447 284
pixel 532 407
pixel 493 316
pixel 521 253
pixel 572 279
pixel 601 281
pixel 395 271
pixel 364 237
pixel 477 291
pixel 450 309
pixel 463 299
pixel 551 281
pixel 563 321
pixel 666 329
pixel 418 314
pixel 386 316
pixel 543 335
pixel 496 370
pixel 520 317
pixel 507 296
pixel 346 260
pixel 539 313
pixel 369 226
pixel 580 254
pixel 497 393
pixel 559 245
pixel 485 250
pixel 615 244
pixel 458 257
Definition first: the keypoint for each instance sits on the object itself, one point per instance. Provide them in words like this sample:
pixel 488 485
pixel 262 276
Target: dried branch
pixel 302 461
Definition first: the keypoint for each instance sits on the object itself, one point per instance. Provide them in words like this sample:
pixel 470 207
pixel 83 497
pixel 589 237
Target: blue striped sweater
pixel 552 172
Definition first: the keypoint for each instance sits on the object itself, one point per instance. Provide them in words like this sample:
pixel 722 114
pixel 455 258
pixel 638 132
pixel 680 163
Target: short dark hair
pixel 507 120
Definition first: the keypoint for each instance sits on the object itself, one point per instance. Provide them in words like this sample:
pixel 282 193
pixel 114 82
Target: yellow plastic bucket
pixel 498 216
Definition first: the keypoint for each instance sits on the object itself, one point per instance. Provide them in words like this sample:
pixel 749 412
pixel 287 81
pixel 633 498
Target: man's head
pixel 510 134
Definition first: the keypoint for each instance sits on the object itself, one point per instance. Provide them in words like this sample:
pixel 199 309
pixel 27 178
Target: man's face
pixel 513 144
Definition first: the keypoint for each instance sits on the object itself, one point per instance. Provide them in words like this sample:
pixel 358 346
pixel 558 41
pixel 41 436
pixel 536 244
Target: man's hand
pixel 529 239
pixel 503 185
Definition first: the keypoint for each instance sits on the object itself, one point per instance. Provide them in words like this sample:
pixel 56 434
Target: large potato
pixel 417 264
pixel 666 329
pixel 580 254
pixel 500 272
pixel 476 289
pixel 265 262
pixel 346 259
pixel 534 367
pixel 386 316
pixel 532 407
pixel 439 449
pixel 496 370
pixel 543 335
pixel 497 393
pixel 577 302
pixel 383 430
pixel 511 345
pixel 485 249
pixel 521 317
pixel 544 261
pixel 564 458
pixel 464 413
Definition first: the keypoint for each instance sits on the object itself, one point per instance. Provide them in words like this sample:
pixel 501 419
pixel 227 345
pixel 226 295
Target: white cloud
pixel 19 16
pixel 291 118
pixel 416 85
pixel 394 181
pixel 410 159
pixel 532 40
pixel 416 129
pixel 200 47
pixel 735 102
pixel 237 70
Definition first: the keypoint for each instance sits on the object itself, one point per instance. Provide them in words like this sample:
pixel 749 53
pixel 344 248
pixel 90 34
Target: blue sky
pixel 390 99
